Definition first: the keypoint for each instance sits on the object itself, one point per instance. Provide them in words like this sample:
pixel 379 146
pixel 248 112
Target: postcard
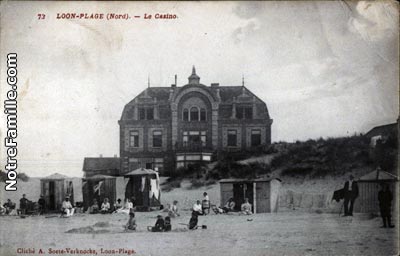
pixel 199 128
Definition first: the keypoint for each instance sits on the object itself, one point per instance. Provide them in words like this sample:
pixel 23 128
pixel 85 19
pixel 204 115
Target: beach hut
pixel 102 186
pixel 369 186
pixel 54 188
pixel 144 185
pixel 263 194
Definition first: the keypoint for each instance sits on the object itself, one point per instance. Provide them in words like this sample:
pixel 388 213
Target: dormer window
pixel 244 112
pixel 146 113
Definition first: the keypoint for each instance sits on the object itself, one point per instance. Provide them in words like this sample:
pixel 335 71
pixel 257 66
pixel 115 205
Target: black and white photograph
pixel 199 128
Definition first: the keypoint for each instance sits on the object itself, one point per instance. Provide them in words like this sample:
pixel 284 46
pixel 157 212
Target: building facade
pixel 169 127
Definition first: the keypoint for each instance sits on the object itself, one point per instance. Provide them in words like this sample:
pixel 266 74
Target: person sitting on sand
pixel 67 208
pixel 118 205
pixel 173 210
pixel 131 225
pixel 197 208
pixel 105 206
pixel 193 221
pixel 127 207
pixel 10 207
pixel 229 206
pixel 246 207
pixel 167 224
pixel 159 226
pixel 94 208
pixel 2 209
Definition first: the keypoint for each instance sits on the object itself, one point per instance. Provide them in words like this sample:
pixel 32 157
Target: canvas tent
pixel 263 194
pixel 144 185
pixel 369 186
pixel 101 186
pixel 55 187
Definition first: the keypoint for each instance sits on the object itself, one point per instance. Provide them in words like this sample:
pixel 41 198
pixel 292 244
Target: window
pixel 194 138
pixel 134 139
pixel 157 139
pixel 142 114
pixel 149 113
pixel 203 138
pixel 244 112
pixel 185 115
pixel 203 115
pixel 185 138
pixel 134 163
pixel 255 138
pixel 194 114
pixel 146 113
pixel 232 138
pixel 158 164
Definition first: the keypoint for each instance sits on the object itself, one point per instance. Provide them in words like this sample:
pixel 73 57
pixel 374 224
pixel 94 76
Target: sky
pixel 324 69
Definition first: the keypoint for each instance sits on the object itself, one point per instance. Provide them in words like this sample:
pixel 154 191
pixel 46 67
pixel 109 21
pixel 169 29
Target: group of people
pixel 385 198
pixel 10 208
pixel 245 208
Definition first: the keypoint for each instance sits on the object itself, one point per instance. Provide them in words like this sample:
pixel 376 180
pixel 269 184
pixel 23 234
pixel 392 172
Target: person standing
pixel 42 205
pixel 205 204
pixel 23 204
pixel 350 195
pixel 385 198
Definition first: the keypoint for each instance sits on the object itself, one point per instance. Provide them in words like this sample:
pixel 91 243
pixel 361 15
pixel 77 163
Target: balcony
pixel 192 147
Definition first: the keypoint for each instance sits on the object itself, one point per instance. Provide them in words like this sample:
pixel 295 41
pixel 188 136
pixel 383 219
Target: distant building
pixel 382 130
pixel 169 127
pixel 101 166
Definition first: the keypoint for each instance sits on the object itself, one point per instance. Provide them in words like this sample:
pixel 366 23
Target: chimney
pixel 115 156
pixel 174 85
pixel 101 155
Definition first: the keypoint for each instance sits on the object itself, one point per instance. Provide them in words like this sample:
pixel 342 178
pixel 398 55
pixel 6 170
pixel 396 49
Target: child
pixel 160 225
pixel 167 224
pixel 193 221
pixel 131 225
pixel 173 210
pixel 105 206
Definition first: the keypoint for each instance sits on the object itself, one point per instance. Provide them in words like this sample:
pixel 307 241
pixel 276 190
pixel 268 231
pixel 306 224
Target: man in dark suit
pixel 385 198
pixel 350 195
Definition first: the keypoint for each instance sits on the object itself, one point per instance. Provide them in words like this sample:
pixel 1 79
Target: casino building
pixel 165 128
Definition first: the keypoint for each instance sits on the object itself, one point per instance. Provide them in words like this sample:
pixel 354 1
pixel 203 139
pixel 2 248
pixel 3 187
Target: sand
pixel 285 233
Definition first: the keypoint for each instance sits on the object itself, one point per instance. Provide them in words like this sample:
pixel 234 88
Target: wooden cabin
pixel 144 186
pixel 369 186
pixel 54 188
pixel 101 186
pixel 263 194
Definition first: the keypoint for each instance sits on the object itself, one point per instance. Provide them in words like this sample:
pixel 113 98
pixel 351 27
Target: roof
pixel 247 180
pixel 382 130
pixel 55 176
pixel 101 163
pixel 378 176
pixel 140 171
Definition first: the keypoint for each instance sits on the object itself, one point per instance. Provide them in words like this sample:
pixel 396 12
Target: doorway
pixel 52 199
pixel 242 191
